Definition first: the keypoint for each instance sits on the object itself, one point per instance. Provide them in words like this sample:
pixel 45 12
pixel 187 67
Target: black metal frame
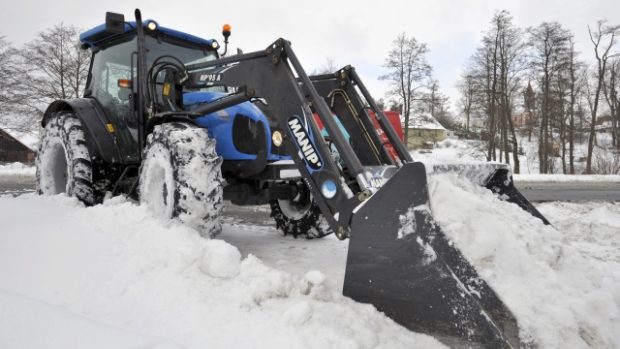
pixel 276 75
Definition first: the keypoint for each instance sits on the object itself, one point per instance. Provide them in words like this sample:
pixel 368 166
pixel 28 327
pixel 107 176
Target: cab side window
pixel 110 81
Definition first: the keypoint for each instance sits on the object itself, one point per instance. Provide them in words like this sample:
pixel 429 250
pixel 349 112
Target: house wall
pixel 12 150
pixel 417 138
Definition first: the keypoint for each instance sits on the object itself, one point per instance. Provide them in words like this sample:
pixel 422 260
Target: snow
pixel 117 266
pixel 16 169
pixel 60 329
pixel 453 150
pixel 115 276
pixel 424 121
pixel 220 260
pixel 563 294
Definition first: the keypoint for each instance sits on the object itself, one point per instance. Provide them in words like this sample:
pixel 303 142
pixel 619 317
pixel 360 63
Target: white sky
pixel 350 32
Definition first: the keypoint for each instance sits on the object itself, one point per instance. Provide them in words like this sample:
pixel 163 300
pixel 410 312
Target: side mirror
pixel 114 23
pixel 239 51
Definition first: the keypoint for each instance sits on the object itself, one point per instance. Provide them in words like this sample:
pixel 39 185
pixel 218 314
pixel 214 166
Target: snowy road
pixel 253 231
pixel 535 191
pixel 541 191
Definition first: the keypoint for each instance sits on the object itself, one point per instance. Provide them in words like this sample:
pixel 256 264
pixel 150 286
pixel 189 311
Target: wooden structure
pixel 12 150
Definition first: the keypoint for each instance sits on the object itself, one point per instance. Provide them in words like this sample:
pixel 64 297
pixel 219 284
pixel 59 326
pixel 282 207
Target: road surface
pixel 534 191
pixel 570 191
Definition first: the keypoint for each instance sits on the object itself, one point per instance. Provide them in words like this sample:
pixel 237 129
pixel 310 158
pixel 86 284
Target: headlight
pixel 276 138
pixel 151 25
pixel 215 45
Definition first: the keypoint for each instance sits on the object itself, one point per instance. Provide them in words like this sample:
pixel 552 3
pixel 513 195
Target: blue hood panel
pixel 220 124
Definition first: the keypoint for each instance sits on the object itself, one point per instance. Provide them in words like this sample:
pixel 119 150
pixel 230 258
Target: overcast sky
pixel 351 32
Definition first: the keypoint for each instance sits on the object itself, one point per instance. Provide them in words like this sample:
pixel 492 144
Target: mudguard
pixel 117 147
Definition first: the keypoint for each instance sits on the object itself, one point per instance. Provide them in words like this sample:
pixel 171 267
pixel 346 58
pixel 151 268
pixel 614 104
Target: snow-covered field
pixel 114 276
pixel 453 149
pixel 16 169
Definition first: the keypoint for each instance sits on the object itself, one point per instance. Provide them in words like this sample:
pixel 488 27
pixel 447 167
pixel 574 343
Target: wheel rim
pixel 157 189
pixel 55 169
pixel 296 209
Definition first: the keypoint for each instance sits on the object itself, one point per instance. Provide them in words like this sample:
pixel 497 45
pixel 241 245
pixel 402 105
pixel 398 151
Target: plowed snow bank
pixel 116 264
pixel 562 295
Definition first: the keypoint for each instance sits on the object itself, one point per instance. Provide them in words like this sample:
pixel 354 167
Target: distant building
pixel 424 130
pixel 477 124
pixel 522 119
pixel 12 150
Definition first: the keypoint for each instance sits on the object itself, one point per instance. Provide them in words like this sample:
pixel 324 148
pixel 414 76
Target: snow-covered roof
pixel 424 121
pixel 29 139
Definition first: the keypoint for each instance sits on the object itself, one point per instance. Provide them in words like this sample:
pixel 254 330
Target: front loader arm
pixel 276 75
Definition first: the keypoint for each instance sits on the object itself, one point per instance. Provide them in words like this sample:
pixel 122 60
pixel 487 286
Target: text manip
pixel 303 143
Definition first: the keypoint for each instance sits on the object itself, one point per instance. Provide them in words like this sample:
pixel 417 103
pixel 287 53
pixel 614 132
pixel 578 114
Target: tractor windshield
pixel 188 53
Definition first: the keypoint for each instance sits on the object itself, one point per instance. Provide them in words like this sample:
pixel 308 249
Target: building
pixel 12 150
pixel 424 131
pixel 522 120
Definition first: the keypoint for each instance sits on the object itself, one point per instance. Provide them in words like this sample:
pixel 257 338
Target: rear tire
pixel 63 163
pixel 300 217
pixel 180 177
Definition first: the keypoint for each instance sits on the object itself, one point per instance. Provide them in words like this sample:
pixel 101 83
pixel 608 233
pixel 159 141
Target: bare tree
pixel 433 101
pixel 574 87
pixel 406 61
pixel 54 65
pixel 496 69
pixel 467 88
pixel 529 105
pixel 607 33
pixel 327 68
pixel 14 111
pixel 549 41
pixel 612 96
pixel 7 70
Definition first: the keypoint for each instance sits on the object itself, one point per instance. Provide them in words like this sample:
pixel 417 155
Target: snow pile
pixel 424 121
pixel 563 295
pixel 117 265
pixel 593 228
pixel 16 169
pixel 451 150
pixel 220 260
pixel 59 329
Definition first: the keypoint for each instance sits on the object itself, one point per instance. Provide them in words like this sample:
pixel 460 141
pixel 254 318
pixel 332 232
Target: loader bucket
pixel 400 261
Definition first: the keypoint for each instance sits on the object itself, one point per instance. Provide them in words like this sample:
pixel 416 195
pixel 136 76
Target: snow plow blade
pixel 400 261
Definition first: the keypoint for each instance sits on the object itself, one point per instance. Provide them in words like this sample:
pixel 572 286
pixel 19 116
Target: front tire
pixel 180 177
pixel 300 216
pixel 63 163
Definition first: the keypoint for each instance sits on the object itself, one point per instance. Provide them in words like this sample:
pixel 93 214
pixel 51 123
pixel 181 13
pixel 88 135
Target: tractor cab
pixel 114 64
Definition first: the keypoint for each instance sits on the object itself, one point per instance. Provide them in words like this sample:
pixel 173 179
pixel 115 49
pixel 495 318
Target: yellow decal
pixel 166 89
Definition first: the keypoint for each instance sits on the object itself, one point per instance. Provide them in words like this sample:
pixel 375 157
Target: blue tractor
pixel 167 119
